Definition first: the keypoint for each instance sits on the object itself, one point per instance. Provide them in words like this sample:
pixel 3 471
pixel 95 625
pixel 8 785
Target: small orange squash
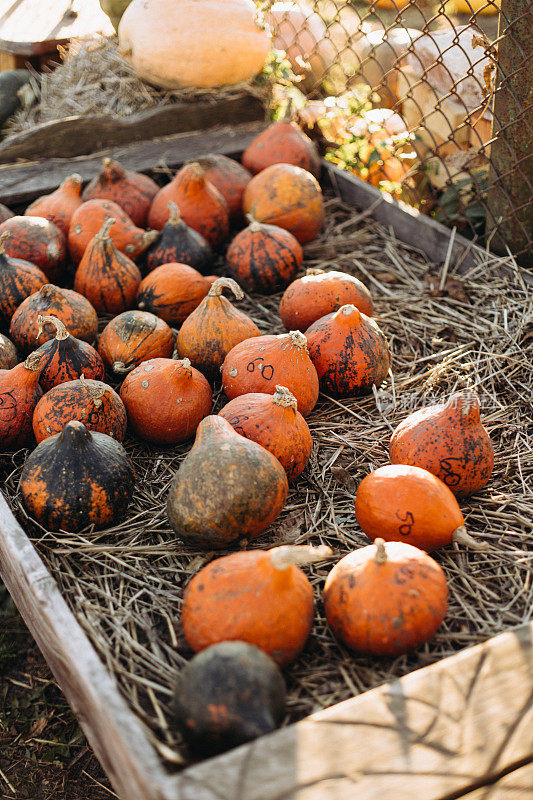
pixel 179 243
pixel 282 142
pixel 94 403
pixel 289 197
pixel 229 177
pixel 132 191
pixel 8 353
pixel 319 293
pixel 134 337
pixel 18 279
pixel 19 394
pixel 59 206
pixel 105 276
pixel 261 597
pixel 264 258
pixel 259 364
pixel 274 422
pixel 38 241
pixel 450 441
pixel 183 400
pixel 214 328
pixel 172 291
pixel 386 598
pixel 226 488
pixel 70 307
pixel 201 205
pixel 399 503
pixel 87 221
pixel 66 358
pixel 349 352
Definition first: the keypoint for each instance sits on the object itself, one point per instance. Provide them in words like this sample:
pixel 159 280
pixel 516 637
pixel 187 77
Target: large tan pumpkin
pixel 187 43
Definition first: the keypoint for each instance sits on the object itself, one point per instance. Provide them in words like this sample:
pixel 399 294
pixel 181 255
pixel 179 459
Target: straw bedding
pixel 125 584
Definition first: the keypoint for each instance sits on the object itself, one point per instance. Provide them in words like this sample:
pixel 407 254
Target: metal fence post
pixel 509 200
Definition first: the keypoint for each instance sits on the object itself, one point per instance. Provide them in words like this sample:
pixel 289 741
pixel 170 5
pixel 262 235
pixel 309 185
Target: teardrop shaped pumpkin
pixel 261 597
pixel 264 258
pixel 77 478
pixel 214 328
pixel 172 291
pixel 69 306
pixel 179 243
pixel 132 191
pixel 349 352
pixel 38 241
pixel 183 400
pixel 87 221
pixel 226 488
pixel 319 293
pixel 8 353
pixel 18 279
pixel 386 598
pixel 449 440
pixel 274 422
pixel 201 206
pixel 258 365
pixel 134 337
pixel 66 358
pixel 282 142
pixel 229 177
pixel 94 403
pixel 59 206
pixel 105 276
pixel 289 197
pixel 19 394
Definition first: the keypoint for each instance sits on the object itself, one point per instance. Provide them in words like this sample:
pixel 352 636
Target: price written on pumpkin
pixel 266 370
pixel 451 478
pixel 408 521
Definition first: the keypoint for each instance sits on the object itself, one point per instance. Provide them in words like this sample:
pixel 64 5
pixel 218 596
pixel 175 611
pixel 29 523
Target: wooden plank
pixel 436 734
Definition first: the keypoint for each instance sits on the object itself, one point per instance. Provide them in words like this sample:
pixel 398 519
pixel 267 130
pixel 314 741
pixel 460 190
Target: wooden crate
pixel 459 728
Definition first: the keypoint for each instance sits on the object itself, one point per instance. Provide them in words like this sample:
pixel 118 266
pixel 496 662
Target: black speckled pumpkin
pixel 227 695
pixel 38 241
pixel 65 358
pixel 134 337
pixel 18 279
pixel 77 478
pixel 264 258
pixel 179 243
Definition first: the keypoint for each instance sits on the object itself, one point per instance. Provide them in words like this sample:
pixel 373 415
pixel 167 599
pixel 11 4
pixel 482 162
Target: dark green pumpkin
pixel 264 258
pixel 66 358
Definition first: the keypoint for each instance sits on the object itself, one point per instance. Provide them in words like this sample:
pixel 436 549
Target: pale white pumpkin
pixel 193 43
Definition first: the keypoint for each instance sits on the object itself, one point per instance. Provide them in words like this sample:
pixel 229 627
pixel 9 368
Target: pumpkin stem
pixel 113 170
pixel 253 224
pixel 73 180
pixel 148 238
pixel 33 361
pixel 381 553
pixel 314 271
pixel 298 339
pixel 4 236
pixel 298 555
pixel 225 283
pixel 197 171
pixel 103 233
pixel 461 536
pixel 61 330
pixel 468 402
pixel 283 397
pixel 175 216
pixel 121 368
pixel 95 392
pixel 185 364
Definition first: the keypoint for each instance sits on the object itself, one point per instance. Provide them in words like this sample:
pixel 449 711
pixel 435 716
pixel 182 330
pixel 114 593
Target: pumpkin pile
pixel 142 255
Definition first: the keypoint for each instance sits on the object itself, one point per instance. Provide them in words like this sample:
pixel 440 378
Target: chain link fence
pixel 448 123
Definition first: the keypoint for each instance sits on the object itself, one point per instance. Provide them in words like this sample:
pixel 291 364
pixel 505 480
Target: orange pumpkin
pixel 289 197
pixel 319 293
pixel 450 441
pixel 178 243
pixel 87 221
pixel 214 328
pixel 38 241
pixel 201 205
pixel 71 308
pixel 399 503
pixel 259 364
pixel 172 291
pixel 19 394
pixel 274 422
pixel 386 598
pixel 105 276
pixel 264 258
pixel 183 400
pixel 134 337
pixel 226 488
pixel 261 597
pixel 282 142
pixel 94 403
pixel 229 177
pixel 66 358
pixel 349 352
pixel 8 353
pixel 132 191
pixel 59 206
pixel 18 279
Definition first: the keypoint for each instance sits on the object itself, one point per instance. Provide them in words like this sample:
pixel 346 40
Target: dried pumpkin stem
pixel 33 361
pixel 381 553
pixel 75 178
pixel 61 330
pixel 461 536
pixel 298 555
pixel 225 283
pixel 186 364
pixel 148 238
pixel 283 397
pixel 197 169
pixel 314 271
pixel 103 233
pixel 175 216
pixel 253 224
pixel 469 401
pixel 95 392
pixel 121 367
pixel 298 339
pixel 4 236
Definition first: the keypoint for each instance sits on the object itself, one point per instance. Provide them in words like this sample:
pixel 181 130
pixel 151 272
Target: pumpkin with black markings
pixel 8 353
pixel 18 279
pixel 131 190
pixel 134 337
pixel 172 291
pixel 179 243
pixel 19 394
pixel 66 358
pixel 38 241
pixel 229 177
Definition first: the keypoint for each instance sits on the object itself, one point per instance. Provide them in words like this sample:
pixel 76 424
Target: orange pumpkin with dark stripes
pixel 94 403
pixel 282 142
pixel 77 478
pixel 134 337
pixel 319 293
pixel 8 353
pixel 66 358
pixel 87 221
pixel 172 291
pixel 264 258
pixel 229 177
pixel 59 206
pixel 38 241
pixel 131 190
pixel 179 243
pixel 19 394
pixel 18 279
pixel 69 306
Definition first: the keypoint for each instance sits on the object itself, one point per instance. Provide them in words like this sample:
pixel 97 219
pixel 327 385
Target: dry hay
pixel 125 584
